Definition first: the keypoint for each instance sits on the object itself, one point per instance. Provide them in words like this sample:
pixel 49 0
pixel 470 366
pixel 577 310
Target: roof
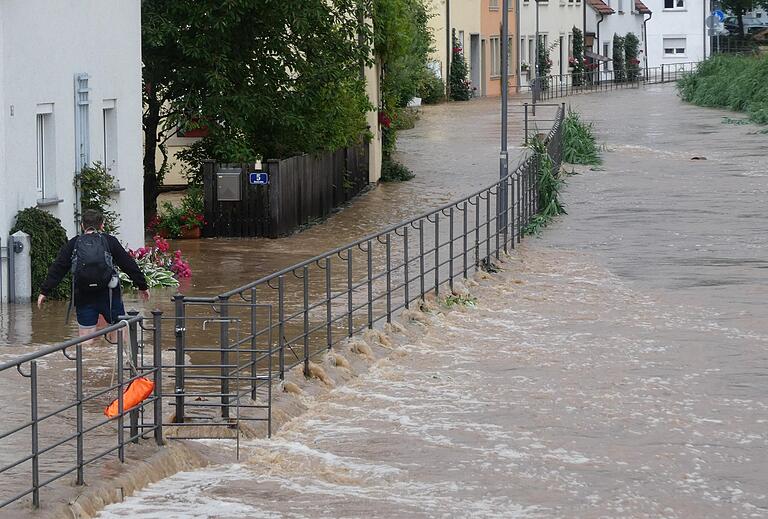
pixel 641 8
pixel 600 7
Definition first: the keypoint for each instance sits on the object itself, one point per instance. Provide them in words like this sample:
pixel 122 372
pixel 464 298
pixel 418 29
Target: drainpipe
pixel 536 57
pixel 517 43
pixel 597 33
pixel 645 42
pixel 448 49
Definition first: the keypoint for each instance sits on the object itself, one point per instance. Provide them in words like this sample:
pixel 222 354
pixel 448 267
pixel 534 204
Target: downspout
pixel 448 48
pixel 517 43
pixel 645 41
pixel 597 33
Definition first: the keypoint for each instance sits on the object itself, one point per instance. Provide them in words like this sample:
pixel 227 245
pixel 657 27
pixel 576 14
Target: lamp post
pixel 502 199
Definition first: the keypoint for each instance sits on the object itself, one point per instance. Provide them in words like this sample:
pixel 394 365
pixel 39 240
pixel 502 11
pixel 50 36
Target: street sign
pixel 258 178
pixel 718 14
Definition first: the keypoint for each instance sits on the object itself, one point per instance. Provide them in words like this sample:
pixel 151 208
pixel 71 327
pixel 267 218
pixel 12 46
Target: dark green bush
pixel 432 90
pixel 96 187
pixel 579 143
pixel 393 171
pixel 739 83
pixel 47 236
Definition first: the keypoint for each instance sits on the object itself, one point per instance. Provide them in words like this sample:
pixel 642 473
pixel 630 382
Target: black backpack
pixel 92 267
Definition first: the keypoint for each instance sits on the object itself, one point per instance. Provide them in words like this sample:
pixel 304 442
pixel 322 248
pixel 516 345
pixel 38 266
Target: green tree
pixel 577 60
pixel 619 72
pixel 544 62
pixel 458 79
pixel 267 78
pixel 631 52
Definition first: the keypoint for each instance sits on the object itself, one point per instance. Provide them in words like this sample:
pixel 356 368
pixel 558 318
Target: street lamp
pixel 501 204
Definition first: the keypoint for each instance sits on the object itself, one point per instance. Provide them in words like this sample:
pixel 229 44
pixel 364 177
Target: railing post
pixel 254 342
pixel 464 238
pixel 133 341
pixel 488 226
pixel 328 305
pixel 350 319
pixel 450 249
pixel 281 324
pixel 421 256
pixel 35 434
pixel 305 280
pixel 405 267
pixel 179 332
pixel 477 230
pixel 224 355
pixel 389 277
pixel 80 478
pixel 120 399
pixel 437 254
pixel 525 106
pixel 157 355
pixel 369 251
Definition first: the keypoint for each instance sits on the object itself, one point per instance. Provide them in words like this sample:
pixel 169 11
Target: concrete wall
pixel 685 23
pixel 556 20
pixel 490 22
pixel 43 45
pixel 621 22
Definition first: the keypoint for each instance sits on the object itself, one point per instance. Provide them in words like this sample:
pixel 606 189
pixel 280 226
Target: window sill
pixel 675 10
pixel 49 202
pixel 491 8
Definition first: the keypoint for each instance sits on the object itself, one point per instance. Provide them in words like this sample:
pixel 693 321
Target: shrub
pixel 579 143
pixel 577 60
pixel 619 73
pixel 171 220
pixel 393 171
pixel 739 83
pixel 47 236
pixel 96 189
pixel 549 185
pixel 631 50
pixel 432 89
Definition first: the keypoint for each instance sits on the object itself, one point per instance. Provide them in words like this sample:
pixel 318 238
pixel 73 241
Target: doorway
pixel 474 63
pixel 484 76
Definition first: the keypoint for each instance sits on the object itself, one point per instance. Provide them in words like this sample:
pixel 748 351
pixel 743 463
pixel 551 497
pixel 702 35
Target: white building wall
pixel 557 18
pixel 464 19
pixel 43 44
pixel 622 22
pixel 687 23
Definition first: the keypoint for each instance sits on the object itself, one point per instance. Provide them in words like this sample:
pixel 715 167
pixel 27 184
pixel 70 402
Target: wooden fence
pixel 300 189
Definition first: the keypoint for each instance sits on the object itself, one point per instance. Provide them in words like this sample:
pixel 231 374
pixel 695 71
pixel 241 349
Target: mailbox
pixel 228 184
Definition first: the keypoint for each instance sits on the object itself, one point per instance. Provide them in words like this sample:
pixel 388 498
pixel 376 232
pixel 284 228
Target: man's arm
pixel 127 264
pixel 59 269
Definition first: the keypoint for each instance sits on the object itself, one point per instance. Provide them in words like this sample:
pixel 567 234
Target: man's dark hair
pixel 92 219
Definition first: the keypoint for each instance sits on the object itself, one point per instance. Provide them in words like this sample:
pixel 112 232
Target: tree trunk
pixel 151 122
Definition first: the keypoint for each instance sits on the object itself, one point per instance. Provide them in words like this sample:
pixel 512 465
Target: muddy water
pixel 616 368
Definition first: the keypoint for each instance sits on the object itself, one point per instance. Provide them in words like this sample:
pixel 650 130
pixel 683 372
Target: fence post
pixel 120 398
pixel 179 332
pixel 437 254
pixel 281 323
pixel 35 434
pixel 525 105
pixel 305 280
pixel 369 250
pixel 133 341
pixel 389 277
pixel 328 304
pixel 406 273
pixel 157 355
pixel 80 479
pixel 350 319
pixel 253 341
pixel 210 204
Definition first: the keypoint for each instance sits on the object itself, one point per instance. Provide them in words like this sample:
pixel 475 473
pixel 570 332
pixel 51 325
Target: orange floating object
pixel 136 392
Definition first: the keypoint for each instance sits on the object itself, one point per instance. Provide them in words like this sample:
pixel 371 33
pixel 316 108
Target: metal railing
pixel 61 429
pixel 556 86
pixel 229 347
pixel 302 311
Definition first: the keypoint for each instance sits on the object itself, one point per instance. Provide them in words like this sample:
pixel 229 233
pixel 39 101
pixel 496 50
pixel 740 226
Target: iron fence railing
pixel 229 348
pixel 556 86
pixel 61 430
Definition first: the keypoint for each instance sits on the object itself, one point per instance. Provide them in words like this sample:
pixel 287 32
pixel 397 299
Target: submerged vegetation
pixel 579 143
pixel 549 183
pixel 739 83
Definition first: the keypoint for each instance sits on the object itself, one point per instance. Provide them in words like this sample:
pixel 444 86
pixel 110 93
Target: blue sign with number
pixel 259 178
pixel 718 14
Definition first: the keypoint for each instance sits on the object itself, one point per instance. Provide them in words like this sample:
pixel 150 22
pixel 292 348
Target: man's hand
pixel 144 295
pixel 40 300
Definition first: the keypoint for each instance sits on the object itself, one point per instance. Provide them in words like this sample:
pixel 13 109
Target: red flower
pixel 162 244
pixel 384 120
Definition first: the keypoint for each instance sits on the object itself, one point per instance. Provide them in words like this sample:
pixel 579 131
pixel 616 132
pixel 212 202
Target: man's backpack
pixel 92 267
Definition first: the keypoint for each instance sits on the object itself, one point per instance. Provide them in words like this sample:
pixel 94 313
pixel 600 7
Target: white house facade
pixel 556 20
pixel 676 31
pixel 70 89
pixel 606 18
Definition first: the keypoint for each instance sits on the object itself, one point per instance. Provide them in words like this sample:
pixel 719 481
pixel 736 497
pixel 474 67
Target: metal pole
pixel 305 280
pixel 389 278
pixel 179 358
pixel 281 324
pixel 224 356
pixel 133 341
pixel 35 434
pixel 157 355
pixel 79 395
pixel 503 155
pixel 406 273
pixel 328 304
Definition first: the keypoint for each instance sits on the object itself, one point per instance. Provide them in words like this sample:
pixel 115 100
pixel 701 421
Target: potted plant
pixel 184 221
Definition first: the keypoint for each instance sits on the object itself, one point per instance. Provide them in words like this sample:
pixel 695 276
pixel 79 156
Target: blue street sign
pixel 717 13
pixel 258 178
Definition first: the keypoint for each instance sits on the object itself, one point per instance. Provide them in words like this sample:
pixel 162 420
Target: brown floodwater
pixel 616 368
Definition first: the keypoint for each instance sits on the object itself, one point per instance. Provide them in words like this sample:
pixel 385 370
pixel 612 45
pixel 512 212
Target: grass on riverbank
pixel 579 142
pixel 550 183
pixel 739 83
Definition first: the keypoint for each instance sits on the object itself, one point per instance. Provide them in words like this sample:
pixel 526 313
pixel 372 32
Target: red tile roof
pixel 641 8
pixel 600 7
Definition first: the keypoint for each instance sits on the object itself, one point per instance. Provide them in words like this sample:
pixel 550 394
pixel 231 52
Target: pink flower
pixel 162 244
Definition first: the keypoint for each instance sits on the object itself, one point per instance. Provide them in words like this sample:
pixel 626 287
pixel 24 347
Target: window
pixel 522 49
pixel 495 56
pixel 531 51
pixel 493 5
pixel 461 40
pixel 674 47
pixel 674 4
pixel 45 151
pixel 110 135
pixel 562 61
pixel 621 7
pixel 606 49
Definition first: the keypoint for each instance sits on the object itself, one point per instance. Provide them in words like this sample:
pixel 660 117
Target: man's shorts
pixel 88 313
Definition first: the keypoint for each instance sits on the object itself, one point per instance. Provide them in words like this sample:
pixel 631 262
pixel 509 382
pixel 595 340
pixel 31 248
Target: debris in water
pixel 316 371
pixel 361 348
pixel 339 361
pixel 293 388
pixel 377 337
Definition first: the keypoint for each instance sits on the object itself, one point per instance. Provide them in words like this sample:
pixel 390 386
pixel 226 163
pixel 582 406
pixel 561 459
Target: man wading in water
pixel 91 257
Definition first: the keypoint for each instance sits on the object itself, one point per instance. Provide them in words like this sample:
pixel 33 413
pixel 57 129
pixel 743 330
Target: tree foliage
pixel 740 7
pixel 460 90
pixel 631 52
pixel 577 60
pixel 267 78
pixel 619 71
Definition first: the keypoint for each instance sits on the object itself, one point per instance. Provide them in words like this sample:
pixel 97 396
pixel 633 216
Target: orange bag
pixel 136 392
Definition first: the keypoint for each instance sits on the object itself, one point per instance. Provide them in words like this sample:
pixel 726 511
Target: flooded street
pixel 616 367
